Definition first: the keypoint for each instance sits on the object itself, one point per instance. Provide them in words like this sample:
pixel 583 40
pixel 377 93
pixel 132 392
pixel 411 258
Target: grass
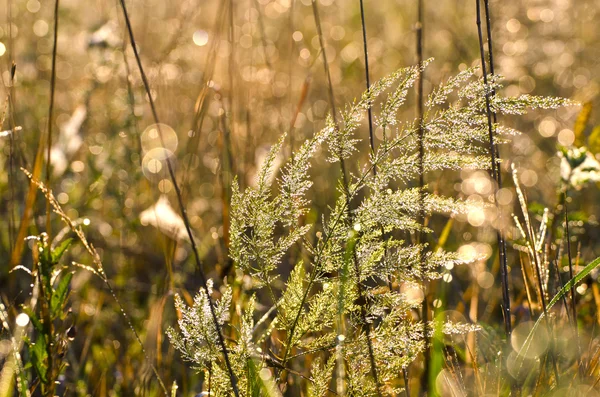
pixel 216 246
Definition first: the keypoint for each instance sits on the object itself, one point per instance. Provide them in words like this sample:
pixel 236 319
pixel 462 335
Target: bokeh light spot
pixel 200 38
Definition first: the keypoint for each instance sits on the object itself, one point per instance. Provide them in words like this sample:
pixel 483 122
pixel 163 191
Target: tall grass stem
pixel 182 209
pixel 50 117
pixel 345 184
pixel 367 76
pixel 495 171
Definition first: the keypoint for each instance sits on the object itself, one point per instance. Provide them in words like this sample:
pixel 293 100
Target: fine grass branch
pixel 320 310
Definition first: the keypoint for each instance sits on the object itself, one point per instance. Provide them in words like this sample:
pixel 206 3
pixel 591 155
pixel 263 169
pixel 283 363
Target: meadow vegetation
pixel 299 198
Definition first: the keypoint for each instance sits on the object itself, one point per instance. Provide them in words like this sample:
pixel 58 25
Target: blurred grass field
pixel 227 79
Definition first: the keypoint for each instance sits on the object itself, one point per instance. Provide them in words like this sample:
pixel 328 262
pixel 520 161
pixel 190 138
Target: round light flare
pixel 547 127
pixel 533 347
pixel 482 185
pixel 476 217
pixel 582 289
pixel 566 137
pixel 467 252
pixel 504 196
pixel 529 178
pixel 564 344
pixel 200 38
pixel 413 293
pixel 297 36
pixel 521 367
pixel 447 384
pixel 485 280
pixel 22 320
pixel 154 165
pixel 484 250
pixel 265 374
pixel 165 186
pixel 151 138
pixel 513 25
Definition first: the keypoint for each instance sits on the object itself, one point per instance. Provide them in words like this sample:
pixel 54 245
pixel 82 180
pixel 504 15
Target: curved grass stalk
pixel 99 270
pixel 559 295
pixel 182 209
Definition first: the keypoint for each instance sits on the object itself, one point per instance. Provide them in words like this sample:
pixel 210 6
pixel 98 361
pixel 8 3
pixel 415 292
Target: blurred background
pixel 228 77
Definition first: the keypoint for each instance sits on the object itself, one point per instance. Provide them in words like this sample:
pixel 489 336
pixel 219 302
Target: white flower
pixel 162 216
pixel 106 36
pixel 69 141
pixel 578 167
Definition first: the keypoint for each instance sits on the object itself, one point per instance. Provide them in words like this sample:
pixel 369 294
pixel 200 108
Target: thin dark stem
pixel 11 156
pixel 406 382
pixel 131 99
pixel 231 67
pixel 182 209
pixel 209 378
pixel 488 19
pixel 567 236
pixel 367 77
pixel 421 215
pixel 50 118
pixel 363 312
pixel 228 115
pixel 290 74
pixel 226 172
pixel 369 110
pixel 12 141
pixel 488 24
pixel 544 307
pixel 315 9
pixel 372 144
pixel 420 91
pixel 495 175
pixel 48 385
pixel 573 296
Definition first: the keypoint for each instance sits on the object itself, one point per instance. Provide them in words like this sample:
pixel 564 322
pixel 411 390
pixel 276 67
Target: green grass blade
pixel 563 291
